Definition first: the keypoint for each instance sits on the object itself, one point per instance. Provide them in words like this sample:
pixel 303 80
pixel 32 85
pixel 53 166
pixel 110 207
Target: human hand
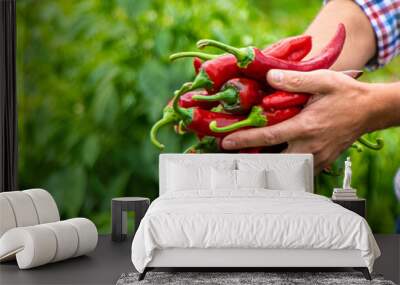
pixel 337 114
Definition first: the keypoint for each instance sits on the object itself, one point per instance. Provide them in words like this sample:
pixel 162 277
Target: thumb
pixel 318 81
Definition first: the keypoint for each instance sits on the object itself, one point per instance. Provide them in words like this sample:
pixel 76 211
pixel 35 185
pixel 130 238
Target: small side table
pixel 358 205
pixel 119 208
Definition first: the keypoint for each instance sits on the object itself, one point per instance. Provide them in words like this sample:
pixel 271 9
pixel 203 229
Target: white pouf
pixel 23 208
pixel 40 244
pixel 46 207
pixel 87 234
pixel 7 218
pixel 33 246
pixel 67 240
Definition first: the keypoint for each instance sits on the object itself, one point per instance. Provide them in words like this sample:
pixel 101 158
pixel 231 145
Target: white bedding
pixel 250 219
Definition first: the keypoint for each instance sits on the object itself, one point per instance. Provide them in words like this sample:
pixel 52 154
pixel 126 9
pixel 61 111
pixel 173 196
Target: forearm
pixel 360 45
pixel 384 105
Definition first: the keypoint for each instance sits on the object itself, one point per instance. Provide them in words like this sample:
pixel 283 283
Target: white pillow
pixel 281 174
pixel 251 178
pixel 279 180
pixel 223 179
pixel 183 177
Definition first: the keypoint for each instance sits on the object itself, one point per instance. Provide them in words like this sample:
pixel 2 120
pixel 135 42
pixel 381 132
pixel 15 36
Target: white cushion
pixel 46 207
pixel 281 175
pixel 183 177
pixel 7 218
pixel 66 237
pixel 251 178
pixel 277 180
pixel 23 208
pixel 87 235
pixel 40 244
pixel 26 208
pixel 33 246
pixel 223 179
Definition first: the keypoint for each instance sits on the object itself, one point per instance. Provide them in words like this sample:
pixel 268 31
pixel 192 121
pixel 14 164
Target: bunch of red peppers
pixel 230 92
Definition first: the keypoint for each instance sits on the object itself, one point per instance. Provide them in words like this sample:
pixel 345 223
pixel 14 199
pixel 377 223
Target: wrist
pixel 382 106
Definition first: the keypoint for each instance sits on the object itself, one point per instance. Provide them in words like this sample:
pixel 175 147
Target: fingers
pixel 276 134
pixel 315 82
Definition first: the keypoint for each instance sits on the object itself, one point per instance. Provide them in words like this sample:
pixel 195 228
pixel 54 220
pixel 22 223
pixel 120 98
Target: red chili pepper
pixel 220 68
pixel 197 64
pixel 251 150
pixel 198 120
pixel 254 64
pixel 293 48
pixel 170 117
pixel 258 117
pixel 283 100
pixel 209 144
pixel 237 95
pixel 187 100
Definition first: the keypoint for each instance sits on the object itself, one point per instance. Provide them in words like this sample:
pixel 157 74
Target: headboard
pixel 211 159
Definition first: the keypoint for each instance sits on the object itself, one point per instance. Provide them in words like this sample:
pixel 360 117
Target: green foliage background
pixel 93 77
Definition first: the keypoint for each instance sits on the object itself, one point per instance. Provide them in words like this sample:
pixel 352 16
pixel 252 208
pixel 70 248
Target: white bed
pixel 273 226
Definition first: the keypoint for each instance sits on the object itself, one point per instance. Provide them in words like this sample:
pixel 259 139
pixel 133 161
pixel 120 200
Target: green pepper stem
pixel 181 128
pixel 207 144
pixel 357 146
pixel 169 118
pixel 256 118
pixel 243 55
pixel 229 96
pixel 375 146
pixel 191 149
pixel 201 55
pixel 201 80
pixel 183 113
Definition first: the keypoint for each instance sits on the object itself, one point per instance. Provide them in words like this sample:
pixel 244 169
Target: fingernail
pixel 276 76
pixel 228 144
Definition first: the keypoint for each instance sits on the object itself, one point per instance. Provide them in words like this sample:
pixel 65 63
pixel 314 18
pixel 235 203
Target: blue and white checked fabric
pixel 384 16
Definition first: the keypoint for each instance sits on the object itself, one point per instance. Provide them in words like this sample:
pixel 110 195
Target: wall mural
pixel 94 76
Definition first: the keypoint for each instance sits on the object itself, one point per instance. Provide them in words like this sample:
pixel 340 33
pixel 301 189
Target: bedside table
pixel 119 208
pixel 358 205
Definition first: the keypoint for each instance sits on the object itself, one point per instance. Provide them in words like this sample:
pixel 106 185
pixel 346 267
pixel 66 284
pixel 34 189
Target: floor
pixel 110 260
pixel 103 266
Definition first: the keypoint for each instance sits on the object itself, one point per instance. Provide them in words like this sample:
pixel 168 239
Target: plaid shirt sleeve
pixel 384 16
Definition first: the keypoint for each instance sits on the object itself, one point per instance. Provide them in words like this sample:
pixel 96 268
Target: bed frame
pixel 246 258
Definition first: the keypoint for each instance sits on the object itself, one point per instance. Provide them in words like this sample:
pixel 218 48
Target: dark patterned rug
pixel 243 278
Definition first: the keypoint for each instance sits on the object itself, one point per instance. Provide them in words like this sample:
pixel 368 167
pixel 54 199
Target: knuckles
pixel 241 141
pixel 269 137
pixel 295 81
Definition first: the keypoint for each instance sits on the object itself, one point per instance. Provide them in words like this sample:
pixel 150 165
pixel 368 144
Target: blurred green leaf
pixel 68 187
pixel 90 150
